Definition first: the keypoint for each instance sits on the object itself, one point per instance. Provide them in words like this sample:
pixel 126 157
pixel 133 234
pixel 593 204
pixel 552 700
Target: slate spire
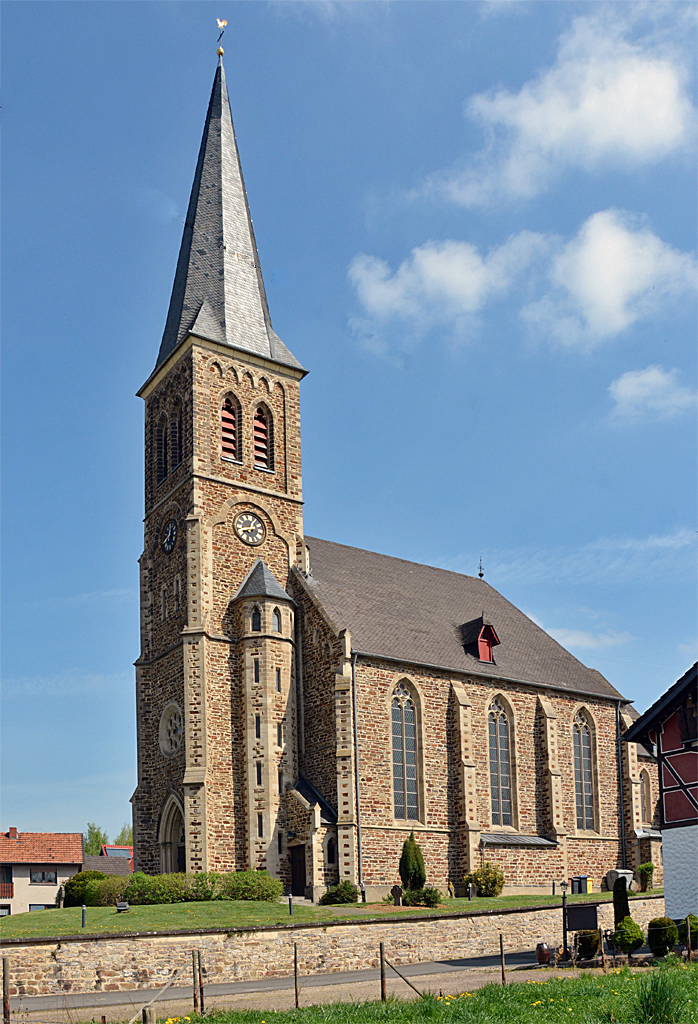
pixel 218 291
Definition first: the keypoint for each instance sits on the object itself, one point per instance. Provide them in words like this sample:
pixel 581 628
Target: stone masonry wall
pixel 113 964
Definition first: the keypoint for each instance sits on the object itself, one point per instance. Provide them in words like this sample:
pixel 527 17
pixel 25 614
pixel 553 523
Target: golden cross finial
pixel 221 25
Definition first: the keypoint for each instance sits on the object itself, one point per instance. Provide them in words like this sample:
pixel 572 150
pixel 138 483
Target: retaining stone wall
pixel 125 963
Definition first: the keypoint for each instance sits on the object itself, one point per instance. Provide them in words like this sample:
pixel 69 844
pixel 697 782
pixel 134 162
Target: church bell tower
pixel 215 680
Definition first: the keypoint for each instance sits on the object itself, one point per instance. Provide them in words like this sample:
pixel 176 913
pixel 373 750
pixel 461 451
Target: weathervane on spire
pixel 221 25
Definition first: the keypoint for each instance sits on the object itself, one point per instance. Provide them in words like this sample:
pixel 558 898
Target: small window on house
pixel 43 877
pixel 276 621
pixel 278 680
pixel 163 605
pixel 256 670
pixel 281 782
pixel 176 596
pixel 259 772
pixel 280 841
pixel 258 727
pixel 263 439
pixel 231 447
pixel 331 852
pixel 161 449
pixel 260 826
pixel 176 435
pixel 583 782
pixel 279 735
pixel 256 621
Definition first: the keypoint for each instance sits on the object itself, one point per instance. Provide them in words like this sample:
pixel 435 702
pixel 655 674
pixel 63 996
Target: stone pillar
pixel 467 816
pixel 347 852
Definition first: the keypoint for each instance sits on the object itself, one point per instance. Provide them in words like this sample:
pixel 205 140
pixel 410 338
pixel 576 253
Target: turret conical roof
pixel 218 291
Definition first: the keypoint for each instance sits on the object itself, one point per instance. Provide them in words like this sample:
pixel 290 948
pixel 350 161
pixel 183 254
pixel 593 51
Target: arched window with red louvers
pixel 231 441
pixel 263 439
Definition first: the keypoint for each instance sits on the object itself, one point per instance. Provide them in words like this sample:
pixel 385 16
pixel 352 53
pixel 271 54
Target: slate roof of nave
pixel 218 291
pixel 414 613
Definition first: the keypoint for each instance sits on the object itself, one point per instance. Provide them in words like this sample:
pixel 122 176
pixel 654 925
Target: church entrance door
pixel 298 870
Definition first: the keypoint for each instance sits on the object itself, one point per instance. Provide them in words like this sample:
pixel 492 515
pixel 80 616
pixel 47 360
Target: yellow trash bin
pixel 590 884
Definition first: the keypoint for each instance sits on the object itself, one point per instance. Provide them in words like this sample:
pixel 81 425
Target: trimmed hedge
pixel 662 935
pixel 343 892
pixel 140 889
pixel 628 935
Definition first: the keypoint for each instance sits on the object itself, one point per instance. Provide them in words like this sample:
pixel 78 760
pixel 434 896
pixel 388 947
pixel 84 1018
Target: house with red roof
pixel 33 865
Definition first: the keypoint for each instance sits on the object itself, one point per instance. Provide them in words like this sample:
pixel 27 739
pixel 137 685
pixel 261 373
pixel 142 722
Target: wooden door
pixel 298 870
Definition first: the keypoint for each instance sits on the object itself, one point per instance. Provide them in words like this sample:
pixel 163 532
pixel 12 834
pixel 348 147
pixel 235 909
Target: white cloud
pixel 653 392
pixel 580 638
pixel 613 273
pixel 440 283
pixel 605 102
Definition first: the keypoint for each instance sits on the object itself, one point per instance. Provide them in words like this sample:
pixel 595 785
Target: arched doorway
pixel 173 853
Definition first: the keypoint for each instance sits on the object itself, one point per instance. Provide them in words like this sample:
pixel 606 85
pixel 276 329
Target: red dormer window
pixel 485 642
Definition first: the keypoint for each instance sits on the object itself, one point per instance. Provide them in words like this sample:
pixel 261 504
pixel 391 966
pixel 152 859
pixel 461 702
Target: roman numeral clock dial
pixel 250 528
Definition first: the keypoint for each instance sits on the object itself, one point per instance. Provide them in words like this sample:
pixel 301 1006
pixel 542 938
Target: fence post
pixel 384 989
pixel 196 987
pixel 501 953
pixel 201 983
pixel 148 1015
pixel 6 989
pixel 295 970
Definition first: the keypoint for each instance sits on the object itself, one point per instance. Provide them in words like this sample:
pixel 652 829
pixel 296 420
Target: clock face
pixel 169 536
pixel 249 528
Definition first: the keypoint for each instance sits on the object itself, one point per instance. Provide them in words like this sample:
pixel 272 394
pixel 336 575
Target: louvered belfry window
pixel 230 440
pixel 404 722
pixel 263 446
pixel 161 449
pixel 176 436
pixel 500 769
pixel 583 784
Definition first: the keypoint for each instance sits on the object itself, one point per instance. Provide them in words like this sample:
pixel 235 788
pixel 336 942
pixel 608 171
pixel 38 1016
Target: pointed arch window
pixel 276 621
pixel 645 798
pixel 161 449
pixel 256 621
pixel 404 730
pixel 231 440
pixel 500 763
pixel 583 782
pixel 176 435
pixel 263 439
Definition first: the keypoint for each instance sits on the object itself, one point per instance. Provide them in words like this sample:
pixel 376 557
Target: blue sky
pixel 476 224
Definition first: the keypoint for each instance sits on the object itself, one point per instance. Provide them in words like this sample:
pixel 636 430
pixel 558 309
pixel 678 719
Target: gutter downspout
pixel 362 887
pixel 619 754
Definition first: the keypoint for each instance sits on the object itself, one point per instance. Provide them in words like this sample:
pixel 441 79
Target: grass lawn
pixel 240 914
pixel 667 995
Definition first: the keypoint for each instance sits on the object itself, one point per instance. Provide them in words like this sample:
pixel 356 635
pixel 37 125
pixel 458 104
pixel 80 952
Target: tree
pixel 411 867
pixel 94 839
pixel 125 837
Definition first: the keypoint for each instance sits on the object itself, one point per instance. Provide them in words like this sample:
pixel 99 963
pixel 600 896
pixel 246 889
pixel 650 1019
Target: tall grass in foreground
pixel 662 995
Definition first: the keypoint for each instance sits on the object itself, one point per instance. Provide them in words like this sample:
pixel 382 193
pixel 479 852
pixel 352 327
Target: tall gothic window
pixel 231 447
pixel 404 720
pixel 263 439
pixel 176 435
pixel 645 798
pixel 161 448
pixel 583 785
pixel 500 764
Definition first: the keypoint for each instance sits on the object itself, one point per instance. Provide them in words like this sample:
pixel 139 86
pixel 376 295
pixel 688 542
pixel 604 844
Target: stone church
pixel 303 706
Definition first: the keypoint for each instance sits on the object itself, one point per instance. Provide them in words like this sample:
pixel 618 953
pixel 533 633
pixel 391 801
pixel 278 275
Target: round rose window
pixel 171 729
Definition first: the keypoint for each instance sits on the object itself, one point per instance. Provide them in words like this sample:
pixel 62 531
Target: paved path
pixel 448 976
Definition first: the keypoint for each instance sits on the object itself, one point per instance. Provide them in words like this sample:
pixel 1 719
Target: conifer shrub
pixel 413 874
pixel 628 936
pixel 645 872
pixel 621 907
pixel 489 880
pixel 588 941
pixel 683 931
pixel 662 935
pixel 76 886
pixel 427 897
pixel 343 892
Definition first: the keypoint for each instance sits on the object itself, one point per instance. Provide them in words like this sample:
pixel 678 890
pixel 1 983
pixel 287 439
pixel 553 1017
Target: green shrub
pixel 658 998
pixel 428 897
pixel 432 896
pixel 412 871
pixel 621 907
pixel 683 930
pixel 343 892
pixel 75 888
pixel 110 890
pixel 205 885
pixel 588 941
pixel 645 872
pixel 662 935
pixel 489 880
pixel 250 885
pixel 628 936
